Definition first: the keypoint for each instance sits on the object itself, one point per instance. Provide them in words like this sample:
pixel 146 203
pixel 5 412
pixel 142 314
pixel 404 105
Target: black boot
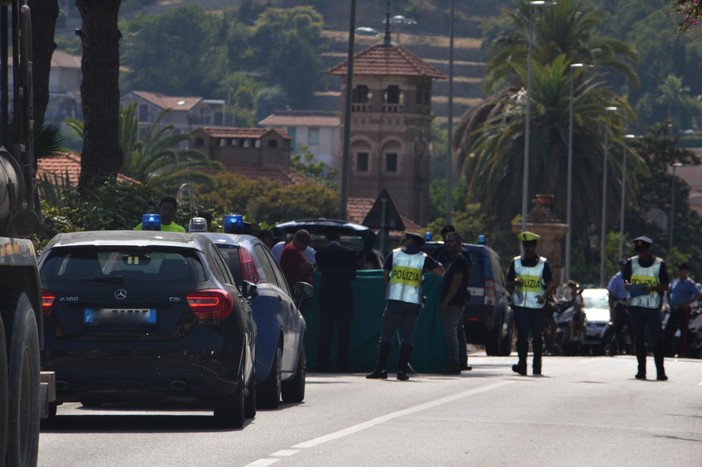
pixel 641 369
pixel 383 353
pixel 660 369
pixel 538 352
pixel 405 353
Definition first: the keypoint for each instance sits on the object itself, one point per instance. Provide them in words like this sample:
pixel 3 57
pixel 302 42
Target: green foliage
pixel 266 201
pixel 174 51
pixel 112 206
pixel 294 56
pixel 268 100
pixel 304 162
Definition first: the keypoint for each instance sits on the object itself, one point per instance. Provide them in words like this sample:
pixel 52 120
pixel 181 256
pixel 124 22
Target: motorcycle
pixel 571 321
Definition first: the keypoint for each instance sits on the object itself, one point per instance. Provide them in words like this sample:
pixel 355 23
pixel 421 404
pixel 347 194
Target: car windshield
pixel 596 301
pixel 116 264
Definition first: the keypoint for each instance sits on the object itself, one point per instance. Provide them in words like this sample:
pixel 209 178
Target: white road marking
pixel 400 413
pixel 376 421
pixel 262 462
pixel 285 452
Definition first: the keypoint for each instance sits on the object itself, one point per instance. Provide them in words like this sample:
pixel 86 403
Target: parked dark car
pixel 488 317
pixel 280 350
pixel 357 237
pixel 148 317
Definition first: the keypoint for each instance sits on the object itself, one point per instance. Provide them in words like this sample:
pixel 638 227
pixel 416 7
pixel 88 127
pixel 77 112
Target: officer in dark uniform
pixel 618 314
pixel 531 282
pixel 403 275
pixel 646 279
pixel 682 294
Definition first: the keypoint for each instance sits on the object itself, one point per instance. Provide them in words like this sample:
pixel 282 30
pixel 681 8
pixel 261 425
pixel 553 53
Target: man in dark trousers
pixel 403 275
pixel 646 279
pixel 682 294
pixel 440 254
pixel 337 265
pixel 454 293
pixel 531 282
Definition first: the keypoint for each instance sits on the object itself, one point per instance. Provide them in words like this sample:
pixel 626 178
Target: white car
pixel 598 328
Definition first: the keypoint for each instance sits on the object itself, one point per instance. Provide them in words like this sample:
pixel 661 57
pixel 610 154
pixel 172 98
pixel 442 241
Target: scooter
pixel 571 326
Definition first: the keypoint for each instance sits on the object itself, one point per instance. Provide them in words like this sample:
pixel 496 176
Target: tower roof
pixel 387 60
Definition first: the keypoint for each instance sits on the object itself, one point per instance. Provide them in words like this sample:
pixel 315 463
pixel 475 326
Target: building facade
pixel 390 128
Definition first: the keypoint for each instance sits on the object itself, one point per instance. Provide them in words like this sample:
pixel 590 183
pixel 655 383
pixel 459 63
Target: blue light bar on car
pixel 151 222
pixel 234 223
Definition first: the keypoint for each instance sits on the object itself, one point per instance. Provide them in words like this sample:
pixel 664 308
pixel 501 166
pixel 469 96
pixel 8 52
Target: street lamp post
pixel 569 182
pixel 603 230
pixel 623 200
pixel 675 165
pixel 525 178
pixel 449 152
pixel 346 143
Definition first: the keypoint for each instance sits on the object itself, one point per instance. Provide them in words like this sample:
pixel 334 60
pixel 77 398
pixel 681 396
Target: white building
pixel 318 130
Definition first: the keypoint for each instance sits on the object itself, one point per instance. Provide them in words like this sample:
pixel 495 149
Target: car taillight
pixel 210 303
pixel 47 301
pixel 490 292
pixel 248 267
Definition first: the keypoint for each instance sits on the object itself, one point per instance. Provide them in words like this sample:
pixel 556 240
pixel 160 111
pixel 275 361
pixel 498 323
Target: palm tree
pixel 155 157
pixel 490 138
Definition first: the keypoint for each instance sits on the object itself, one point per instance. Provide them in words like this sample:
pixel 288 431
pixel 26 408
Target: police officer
pixel 403 275
pixel 682 294
pixel 617 306
pixel 531 282
pixel 646 279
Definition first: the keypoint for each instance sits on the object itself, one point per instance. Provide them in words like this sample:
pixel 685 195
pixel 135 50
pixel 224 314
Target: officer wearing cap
pixel 646 279
pixel 531 281
pixel 683 292
pixel 403 275
pixel 617 307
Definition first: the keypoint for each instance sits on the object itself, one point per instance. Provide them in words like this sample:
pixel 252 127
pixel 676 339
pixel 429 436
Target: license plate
pixel 119 317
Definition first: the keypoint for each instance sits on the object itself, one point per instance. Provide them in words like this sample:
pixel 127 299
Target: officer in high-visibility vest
pixel 646 279
pixel 531 282
pixel 403 275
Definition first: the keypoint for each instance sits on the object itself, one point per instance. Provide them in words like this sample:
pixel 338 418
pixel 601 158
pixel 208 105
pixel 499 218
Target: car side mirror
pixel 302 290
pixel 249 290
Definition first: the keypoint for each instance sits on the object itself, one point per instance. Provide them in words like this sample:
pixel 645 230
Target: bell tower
pixel 390 130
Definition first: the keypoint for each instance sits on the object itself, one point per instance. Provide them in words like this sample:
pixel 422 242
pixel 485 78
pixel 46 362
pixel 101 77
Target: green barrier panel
pixel 429 353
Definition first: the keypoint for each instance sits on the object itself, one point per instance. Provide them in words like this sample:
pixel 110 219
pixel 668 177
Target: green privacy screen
pixel 429 353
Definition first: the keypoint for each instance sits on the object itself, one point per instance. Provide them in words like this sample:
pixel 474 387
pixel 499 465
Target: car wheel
pixel 250 403
pixel 270 388
pixel 229 412
pixel 24 410
pixel 506 348
pixel 609 345
pixel 494 339
pixel 294 389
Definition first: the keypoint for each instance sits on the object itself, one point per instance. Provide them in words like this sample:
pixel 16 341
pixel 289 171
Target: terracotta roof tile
pixel 61 163
pixel 168 102
pixel 388 60
pixel 231 132
pixel 268 173
pixel 358 208
pixel 301 118
pixel 61 59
